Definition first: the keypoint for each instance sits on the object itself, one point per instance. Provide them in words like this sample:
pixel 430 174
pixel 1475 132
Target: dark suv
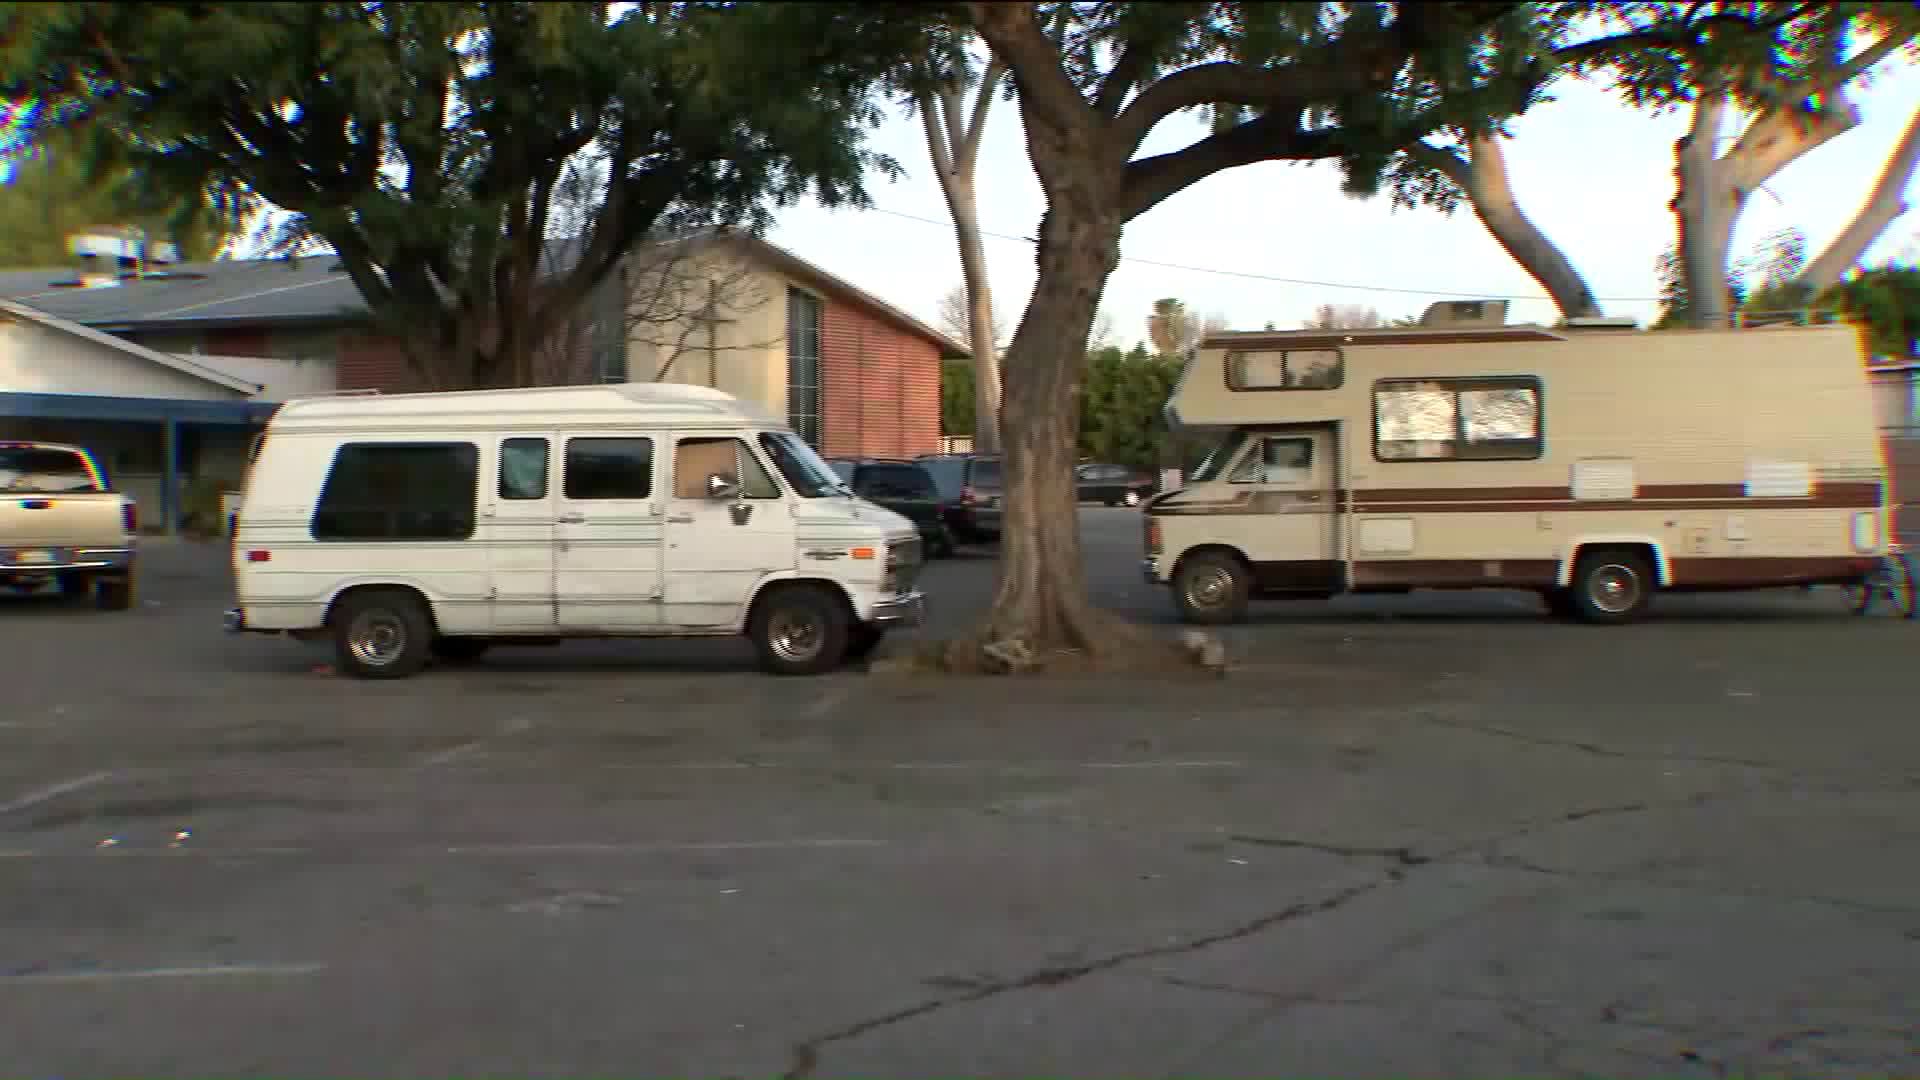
pixel 970 487
pixel 904 488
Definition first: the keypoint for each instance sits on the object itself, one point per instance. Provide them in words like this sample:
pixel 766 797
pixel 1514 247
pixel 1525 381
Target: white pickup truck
pixel 61 523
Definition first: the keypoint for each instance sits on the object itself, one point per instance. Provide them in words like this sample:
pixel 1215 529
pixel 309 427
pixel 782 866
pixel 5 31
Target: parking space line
pixel 54 791
pixel 484 851
pixel 221 971
pixel 512 727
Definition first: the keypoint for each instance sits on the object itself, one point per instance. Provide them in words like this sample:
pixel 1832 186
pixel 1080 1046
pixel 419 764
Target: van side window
pixel 608 469
pixel 399 491
pixel 1490 418
pixel 696 459
pixel 523 469
pixel 1276 460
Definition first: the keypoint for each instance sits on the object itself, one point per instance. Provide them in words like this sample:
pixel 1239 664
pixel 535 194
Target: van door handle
pixel 680 519
pixel 572 519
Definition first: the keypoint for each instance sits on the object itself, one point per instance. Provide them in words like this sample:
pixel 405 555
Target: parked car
pixel 970 489
pixel 1115 485
pixel 907 489
pixel 62 523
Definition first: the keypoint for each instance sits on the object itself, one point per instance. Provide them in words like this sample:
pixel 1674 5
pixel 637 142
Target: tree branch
pixel 1127 71
pixel 928 103
pixel 969 149
pixel 1013 32
pixel 1884 204
pixel 1225 82
pixel 1780 136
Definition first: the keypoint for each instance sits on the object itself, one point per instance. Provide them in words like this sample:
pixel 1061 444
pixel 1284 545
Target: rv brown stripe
pixel 1740 573
pixel 1652 497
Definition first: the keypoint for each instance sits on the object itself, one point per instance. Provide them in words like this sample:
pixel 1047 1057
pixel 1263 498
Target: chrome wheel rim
pixel 377 638
pixel 796 636
pixel 1614 589
pixel 1210 587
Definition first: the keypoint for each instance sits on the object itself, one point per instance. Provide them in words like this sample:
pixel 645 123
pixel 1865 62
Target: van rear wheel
pixel 800 630
pixel 1612 587
pixel 381 634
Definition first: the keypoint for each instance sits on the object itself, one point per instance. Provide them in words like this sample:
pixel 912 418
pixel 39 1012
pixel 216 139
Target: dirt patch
pixel 176 808
pixel 1132 651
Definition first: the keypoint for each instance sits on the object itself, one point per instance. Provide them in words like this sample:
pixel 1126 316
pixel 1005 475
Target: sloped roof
pixel 180 364
pixel 311 290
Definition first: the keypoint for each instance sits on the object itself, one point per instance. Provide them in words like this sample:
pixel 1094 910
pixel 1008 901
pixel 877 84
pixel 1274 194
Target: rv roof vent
pixel 1465 313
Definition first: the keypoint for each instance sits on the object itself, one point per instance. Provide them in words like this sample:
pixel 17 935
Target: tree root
pixel 1116 648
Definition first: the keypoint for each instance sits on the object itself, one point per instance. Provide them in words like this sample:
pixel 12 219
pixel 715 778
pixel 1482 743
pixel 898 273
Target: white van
pixel 1595 466
pixel 431 526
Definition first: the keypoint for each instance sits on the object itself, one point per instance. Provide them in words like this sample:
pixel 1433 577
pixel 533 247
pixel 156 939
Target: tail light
pixel 968 496
pixel 1153 536
pixel 129 517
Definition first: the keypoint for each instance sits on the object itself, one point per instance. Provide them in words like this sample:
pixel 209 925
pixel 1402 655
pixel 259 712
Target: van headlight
pixel 902 568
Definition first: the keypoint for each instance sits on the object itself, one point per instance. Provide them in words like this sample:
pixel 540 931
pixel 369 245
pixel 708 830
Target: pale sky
pixel 1593 174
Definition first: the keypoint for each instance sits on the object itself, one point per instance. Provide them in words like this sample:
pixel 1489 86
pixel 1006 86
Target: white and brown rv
pixel 1594 464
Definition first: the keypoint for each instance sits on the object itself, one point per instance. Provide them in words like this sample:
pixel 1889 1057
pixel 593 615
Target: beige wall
pixel 36 359
pixel 280 378
pixel 750 349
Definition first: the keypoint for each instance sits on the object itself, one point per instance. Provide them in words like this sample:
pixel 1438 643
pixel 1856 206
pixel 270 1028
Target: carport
pixel 136 408
pixel 42 416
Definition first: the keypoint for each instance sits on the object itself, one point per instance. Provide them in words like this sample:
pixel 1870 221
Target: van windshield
pixel 44 470
pixel 1217 459
pixel 805 472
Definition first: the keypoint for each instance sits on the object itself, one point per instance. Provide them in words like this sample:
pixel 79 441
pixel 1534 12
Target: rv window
pixel 1286 369
pixel 399 491
pixel 1277 460
pixel 1217 458
pixel 608 469
pixel 1481 419
pixel 523 469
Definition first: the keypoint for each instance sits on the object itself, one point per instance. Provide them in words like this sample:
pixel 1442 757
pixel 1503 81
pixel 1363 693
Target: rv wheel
pixel 1211 587
pixel 1612 587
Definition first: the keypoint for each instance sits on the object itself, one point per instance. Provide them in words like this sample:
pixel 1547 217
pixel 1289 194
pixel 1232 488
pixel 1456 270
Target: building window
pixel 803 365
pixel 1481 419
pixel 399 491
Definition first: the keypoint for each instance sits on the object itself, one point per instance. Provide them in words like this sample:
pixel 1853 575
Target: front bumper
pixel 908 610
pixel 235 621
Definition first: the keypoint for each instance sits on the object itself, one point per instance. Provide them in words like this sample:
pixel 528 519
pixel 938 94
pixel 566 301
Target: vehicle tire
pixel 113 594
pixel 862 640
pixel 1612 587
pixel 1132 498
pixel 459 650
pixel 1891 580
pixel 1211 588
pixel 1110 501
pixel 800 630
pixel 381 634
pixel 941 547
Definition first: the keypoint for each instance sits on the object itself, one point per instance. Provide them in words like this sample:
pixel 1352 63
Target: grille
pixel 903 565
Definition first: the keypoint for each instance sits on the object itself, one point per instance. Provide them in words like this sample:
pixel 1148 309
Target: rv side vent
pixel 1465 313
pixel 1603 322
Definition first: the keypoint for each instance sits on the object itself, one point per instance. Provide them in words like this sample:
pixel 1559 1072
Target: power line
pixel 1281 280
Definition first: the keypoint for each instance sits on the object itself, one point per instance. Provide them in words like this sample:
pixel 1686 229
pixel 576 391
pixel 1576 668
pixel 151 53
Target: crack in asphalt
pixel 805 1055
pixel 1516 862
pixel 1403 855
pixel 1597 749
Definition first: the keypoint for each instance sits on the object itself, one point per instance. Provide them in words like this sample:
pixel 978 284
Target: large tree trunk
pixel 1705 207
pixel 1042 605
pixel 980 328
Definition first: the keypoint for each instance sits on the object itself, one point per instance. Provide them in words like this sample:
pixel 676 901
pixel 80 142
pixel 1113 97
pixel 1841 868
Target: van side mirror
pixel 722 486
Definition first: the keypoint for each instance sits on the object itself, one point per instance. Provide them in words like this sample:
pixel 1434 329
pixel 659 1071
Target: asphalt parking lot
pixel 1430 835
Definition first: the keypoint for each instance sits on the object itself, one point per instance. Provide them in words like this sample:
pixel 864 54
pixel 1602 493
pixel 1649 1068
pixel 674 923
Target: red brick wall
pixel 368 362
pixel 880 386
pixel 239 341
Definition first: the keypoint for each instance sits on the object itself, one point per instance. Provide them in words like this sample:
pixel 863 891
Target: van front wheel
pixel 381 634
pixel 800 630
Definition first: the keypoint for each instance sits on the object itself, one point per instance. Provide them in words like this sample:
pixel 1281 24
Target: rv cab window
pixel 1217 458
pixel 1277 460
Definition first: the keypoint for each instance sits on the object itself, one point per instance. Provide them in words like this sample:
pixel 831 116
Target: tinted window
pixel 985 472
pixel 608 469
pixel 40 470
pixel 399 491
pixel 844 470
pixel 895 482
pixel 946 475
pixel 1276 460
pixel 523 469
